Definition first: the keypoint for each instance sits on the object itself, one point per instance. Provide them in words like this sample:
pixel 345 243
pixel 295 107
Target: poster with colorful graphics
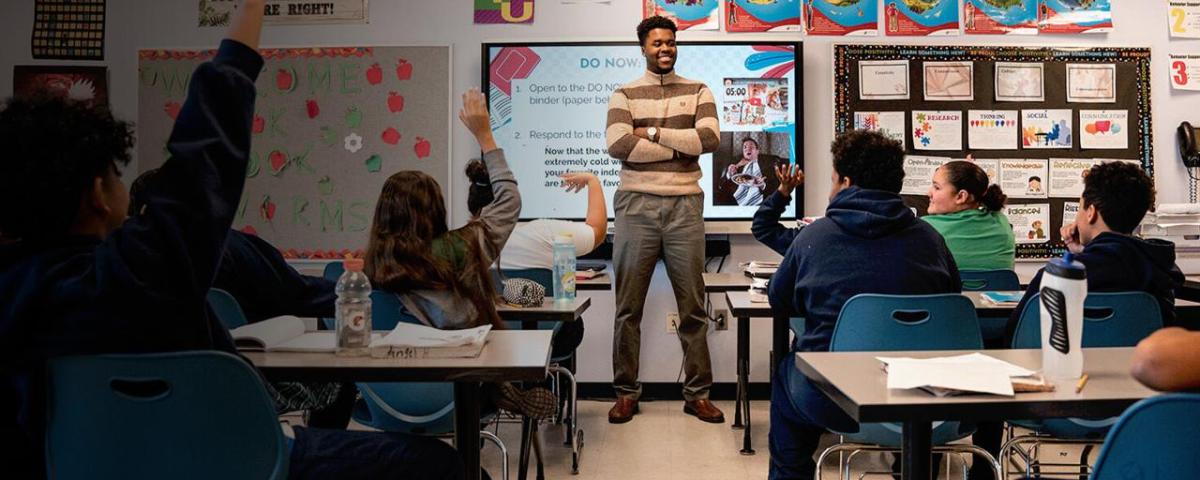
pixel 217 13
pixel 992 129
pixel 1074 16
pixel 841 18
pixel 1030 222
pixel 549 102
pixel 1046 129
pixel 1000 17
pixel 330 125
pixel 762 15
pixel 83 84
pixel 920 17
pixel 1107 129
pixel 687 14
pixel 937 130
pixel 1023 178
pixel 503 11
pixel 890 124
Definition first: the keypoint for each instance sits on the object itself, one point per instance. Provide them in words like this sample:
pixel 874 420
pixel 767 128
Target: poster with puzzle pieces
pixel 68 29
pixel 1034 82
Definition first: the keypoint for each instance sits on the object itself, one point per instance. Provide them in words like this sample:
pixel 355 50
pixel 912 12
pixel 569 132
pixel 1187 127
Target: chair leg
pixel 526 442
pixel 489 436
pixel 536 438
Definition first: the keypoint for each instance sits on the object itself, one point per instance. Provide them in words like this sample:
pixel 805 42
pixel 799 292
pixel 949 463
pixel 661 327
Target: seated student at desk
pixel 531 244
pixel 968 213
pixel 442 276
pixel 81 279
pixel 1116 196
pixel 868 242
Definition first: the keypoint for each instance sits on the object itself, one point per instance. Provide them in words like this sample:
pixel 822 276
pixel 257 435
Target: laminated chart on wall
pixel 687 14
pixel 1034 119
pixel 841 17
pixel 330 126
pixel 68 29
pixel 920 17
pixel 1001 17
pixel 1074 16
pixel 762 15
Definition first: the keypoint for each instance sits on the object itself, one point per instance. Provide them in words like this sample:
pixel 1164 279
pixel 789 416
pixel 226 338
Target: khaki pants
pixel 649 226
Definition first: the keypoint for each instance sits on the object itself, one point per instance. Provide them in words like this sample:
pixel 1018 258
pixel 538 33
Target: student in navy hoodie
pixel 80 279
pixel 868 242
pixel 1116 196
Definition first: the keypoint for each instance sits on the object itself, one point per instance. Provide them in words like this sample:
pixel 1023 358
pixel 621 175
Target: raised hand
pixel 474 116
pixel 790 177
pixel 576 181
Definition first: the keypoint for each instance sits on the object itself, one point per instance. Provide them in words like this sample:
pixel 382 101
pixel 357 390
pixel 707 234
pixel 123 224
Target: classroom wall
pixel 134 24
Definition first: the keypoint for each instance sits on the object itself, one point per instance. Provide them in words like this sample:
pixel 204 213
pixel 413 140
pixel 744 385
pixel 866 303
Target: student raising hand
pixel 474 116
pixel 790 177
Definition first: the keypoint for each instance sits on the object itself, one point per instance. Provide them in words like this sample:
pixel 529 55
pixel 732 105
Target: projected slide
pixel 549 105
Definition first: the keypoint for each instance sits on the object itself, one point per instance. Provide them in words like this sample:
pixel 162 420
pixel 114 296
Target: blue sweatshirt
pixel 766 227
pixel 265 286
pixel 142 288
pixel 868 242
pixel 1122 263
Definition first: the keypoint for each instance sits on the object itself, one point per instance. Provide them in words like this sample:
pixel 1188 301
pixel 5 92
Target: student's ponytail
pixel 967 176
pixel 993 198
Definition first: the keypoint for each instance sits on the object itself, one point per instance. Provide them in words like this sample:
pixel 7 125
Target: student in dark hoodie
pixel 80 279
pixel 868 242
pixel 1116 196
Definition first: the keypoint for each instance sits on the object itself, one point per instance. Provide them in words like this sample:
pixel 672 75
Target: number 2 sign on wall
pixel 1184 19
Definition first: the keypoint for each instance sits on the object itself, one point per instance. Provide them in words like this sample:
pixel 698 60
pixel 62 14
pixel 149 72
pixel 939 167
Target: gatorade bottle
pixel 353 309
pixel 1064 288
pixel 564 268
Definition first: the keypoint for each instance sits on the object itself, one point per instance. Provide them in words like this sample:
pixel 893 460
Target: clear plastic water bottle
pixel 1064 288
pixel 564 268
pixel 353 309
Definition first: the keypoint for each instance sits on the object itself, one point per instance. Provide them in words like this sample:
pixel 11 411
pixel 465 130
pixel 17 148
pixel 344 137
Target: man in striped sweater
pixel 658 126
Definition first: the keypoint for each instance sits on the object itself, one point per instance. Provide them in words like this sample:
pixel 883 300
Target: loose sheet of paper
pixel 973 372
pixel 883 80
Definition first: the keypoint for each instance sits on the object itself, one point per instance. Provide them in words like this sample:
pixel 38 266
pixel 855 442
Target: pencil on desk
pixel 1082 382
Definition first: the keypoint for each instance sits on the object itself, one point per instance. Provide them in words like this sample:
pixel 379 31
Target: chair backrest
pixel 178 415
pixel 227 309
pixel 994 280
pixel 872 322
pixel 1152 439
pixel 334 270
pixel 1109 320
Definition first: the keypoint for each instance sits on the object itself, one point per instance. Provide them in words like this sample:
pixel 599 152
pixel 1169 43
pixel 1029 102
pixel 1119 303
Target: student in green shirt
pixel 967 212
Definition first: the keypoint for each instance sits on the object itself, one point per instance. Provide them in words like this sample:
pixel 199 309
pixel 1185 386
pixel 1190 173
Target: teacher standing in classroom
pixel 658 126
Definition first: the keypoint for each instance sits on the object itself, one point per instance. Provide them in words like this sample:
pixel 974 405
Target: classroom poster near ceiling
pixel 68 29
pixel 330 126
pixel 217 13
pixel 762 15
pixel 920 17
pixel 1020 119
pixel 1074 16
pixel 503 11
pixel 1000 17
pixel 83 84
pixel 841 17
pixel 687 14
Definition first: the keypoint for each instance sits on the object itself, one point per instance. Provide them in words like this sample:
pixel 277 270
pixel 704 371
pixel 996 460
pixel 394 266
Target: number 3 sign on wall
pixel 1185 72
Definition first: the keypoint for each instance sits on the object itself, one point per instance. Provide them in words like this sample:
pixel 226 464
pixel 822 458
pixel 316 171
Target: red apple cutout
pixel 267 209
pixel 374 74
pixel 312 108
pixel 278 160
pixel 403 69
pixel 285 80
pixel 391 136
pixel 249 230
pixel 395 102
pixel 259 124
pixel 172 109
pixel 422 147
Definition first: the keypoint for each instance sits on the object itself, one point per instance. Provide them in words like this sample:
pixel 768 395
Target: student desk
pixel 550 311
pixel 743 310
pixel 510 356
pixel 856 382
pixel 602 281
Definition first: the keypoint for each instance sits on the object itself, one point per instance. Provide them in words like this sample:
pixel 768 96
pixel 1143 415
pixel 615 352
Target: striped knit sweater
pixel 686 117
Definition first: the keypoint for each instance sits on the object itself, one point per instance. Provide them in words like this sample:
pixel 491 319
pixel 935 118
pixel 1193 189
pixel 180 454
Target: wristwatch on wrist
pixel 653 133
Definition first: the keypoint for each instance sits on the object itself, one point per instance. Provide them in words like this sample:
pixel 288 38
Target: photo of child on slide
pixel 744 167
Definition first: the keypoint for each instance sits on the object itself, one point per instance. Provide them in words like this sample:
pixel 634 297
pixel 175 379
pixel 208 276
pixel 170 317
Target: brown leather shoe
pixel 623 411
pixel 704 410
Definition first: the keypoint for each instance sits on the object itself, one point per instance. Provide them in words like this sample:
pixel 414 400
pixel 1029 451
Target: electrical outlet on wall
pixel 721 318
pixel 672 322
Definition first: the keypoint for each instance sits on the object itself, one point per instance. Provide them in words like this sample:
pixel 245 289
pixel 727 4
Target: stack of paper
pixel 761 269
pixel 971 373
pixel 1175 222
pixel 418 341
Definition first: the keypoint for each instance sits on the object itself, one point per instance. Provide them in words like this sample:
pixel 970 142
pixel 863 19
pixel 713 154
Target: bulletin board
pixel 330 126
pixel 1092 105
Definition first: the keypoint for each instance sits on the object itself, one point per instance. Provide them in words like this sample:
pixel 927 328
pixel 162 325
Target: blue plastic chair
pixel 333 270
pixel 227 309
pixel 1110 320
pixel 872 322
pixel 1152 439
pixel 181 415
pixel 993 280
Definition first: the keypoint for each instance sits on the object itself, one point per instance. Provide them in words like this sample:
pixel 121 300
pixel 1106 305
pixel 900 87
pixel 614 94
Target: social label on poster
pixel 1185 72
pixel 1023 178
pixel 918 173
pixel 1066 176
pixel 1183 19
pixel 937 130
pixel 1030 222
pixel 1046 129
